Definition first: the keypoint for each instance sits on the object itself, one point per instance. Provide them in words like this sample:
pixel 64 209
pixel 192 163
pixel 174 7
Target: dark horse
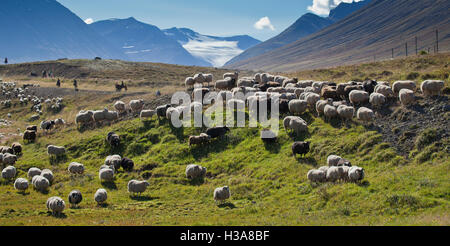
pixel 121 86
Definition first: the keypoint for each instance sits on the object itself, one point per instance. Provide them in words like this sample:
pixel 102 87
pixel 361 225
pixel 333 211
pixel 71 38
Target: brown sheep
pixel 199 140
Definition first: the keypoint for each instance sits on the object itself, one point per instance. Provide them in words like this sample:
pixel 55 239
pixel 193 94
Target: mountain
pixel 371 31
pixel 33 30
pixel 215 50
pixel 144 42
pixel 304 26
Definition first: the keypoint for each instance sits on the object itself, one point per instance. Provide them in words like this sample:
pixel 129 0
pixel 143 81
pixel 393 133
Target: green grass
pixel 268 185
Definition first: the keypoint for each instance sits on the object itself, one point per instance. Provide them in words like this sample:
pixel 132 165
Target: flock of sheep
pixel 294 98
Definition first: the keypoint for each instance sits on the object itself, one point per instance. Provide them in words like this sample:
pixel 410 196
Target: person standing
pixel 6 60
pixel 58 83
pixel 75 84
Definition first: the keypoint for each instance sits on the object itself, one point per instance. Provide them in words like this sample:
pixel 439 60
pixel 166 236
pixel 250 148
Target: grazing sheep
pixel 385 90
pixel 330 111
pixel 136 105
pixel 75 198
pixel 406 96
pixel 48 174
pixel 432 87
pixel 189 82
pixel 32 128
pixel 298 106
pixel 114 161
pixel 346 112
pixel 84 117
pixel 301 148
pixel 29 136
pixel 135 186
pixel 349 88
pixel 147 114
pixel 34 171
pixel 320 105
pixel 76 168
pixel 17 148
pixel 369 86
pixel 329 92
pixel 47 125
pixel 40 183
pixel 234 75
pixel 245 82
pixel 6 149
pixel 100 196
pixel 107 167
pixel 334 173
pixel 8 159
pixel 355 174
pixel 365 114
pixel 295 123
pixel 161 110
pixel 56 150
pixel 106 174
pixel 358 97
pixel 216 132
pixel 195 171
pixel 333 160
pixel 316 176
pixel 120 107
pixel 9 172
pixel 113 139
pixel 325 169
pixel 203 138
pixel 59 123
pixel 403 84
pixel 221 193
pixel 312 99
pixel 21 184
pixel 377 99
pixel 56 205
pixel 225 84
pixel 127 164
pixel 111 115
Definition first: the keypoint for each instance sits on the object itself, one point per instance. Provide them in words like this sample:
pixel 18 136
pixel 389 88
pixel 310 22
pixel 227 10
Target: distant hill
pixel 33 30
pixel 215 50
pixel 304 26
pixel 144 42
pixel 368 32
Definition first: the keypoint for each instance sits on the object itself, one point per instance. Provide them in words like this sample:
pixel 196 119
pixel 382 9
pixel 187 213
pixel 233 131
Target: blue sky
pixel 211 17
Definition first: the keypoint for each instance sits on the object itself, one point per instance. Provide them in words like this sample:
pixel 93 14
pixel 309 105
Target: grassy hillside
pixel 268 185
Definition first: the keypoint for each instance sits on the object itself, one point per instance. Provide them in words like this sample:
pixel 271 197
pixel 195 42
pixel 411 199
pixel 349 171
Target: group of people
pixel 75 84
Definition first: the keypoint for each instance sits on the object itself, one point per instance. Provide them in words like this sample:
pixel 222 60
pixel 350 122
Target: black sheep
pixel 216 132
pixel 369 86
pixel 301 148
pixel 113 139
pixel 161 110
pixel 127 164
pixel 283 106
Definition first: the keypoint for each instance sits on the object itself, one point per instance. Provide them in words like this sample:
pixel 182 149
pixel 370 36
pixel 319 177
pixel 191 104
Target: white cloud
pixel 89 21
pixel 263 23
pixel 214 51
pixel 323 7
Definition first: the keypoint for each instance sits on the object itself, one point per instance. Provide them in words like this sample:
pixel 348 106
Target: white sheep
pixel 333 160
pixel 120 106
pixel 333 174
pixel 297 124
pixel 330 111
pixel 56 205
pixel 34 171
pixel 325 169
pixel 136 105
pixel 84 117
pixel 195 171
pixel 21 184
pixel 55 150
pixel 135 186
pixel 431 87
pixel 76 168
pixel 403 84
pixel 298 106
pixel 358 97
pixel 312 99
pixel 377 99
pixel 355 174
pixel 346 112
pixel 9 159
pixel 113 160
pixel 9 172
pixel 147 114
pixel 106 174
pixel 320 105
pixel 101 196
pixel 318 176
pixel 385 90
pixel 48 174
pixel 406 96
pixel 40 183
pixel 221 194
pixel 365 114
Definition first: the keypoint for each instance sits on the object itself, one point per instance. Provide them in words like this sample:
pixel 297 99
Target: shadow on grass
pixel 215 146
pixel 178 132
pixel 57 159
pixel 103 205
pixel 197 181
pixel 272 147
pixel 307 160
pixel 227 205
pixel 109 184
pixel 143 198
pixel 364 183
pixel 59 216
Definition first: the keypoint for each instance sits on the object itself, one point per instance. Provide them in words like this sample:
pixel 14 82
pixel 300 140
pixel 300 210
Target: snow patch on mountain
pixel 216 52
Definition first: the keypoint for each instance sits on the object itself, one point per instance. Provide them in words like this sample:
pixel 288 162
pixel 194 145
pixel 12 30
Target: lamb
pixel 56 205
pixel 113 139
pixel 385 91
pixel 333 160
pixel 120 107
pixel 346 112
pixel 135 186
pixel 21 184
pixel 127 164
pixel 216 132
pixel 161 110
pixel 316 176
pixel 9 172
pixel 84 117
pixel 355 174
pixel 9 159
pixel 365 114
pixel 377 99
pixel 56 150
pixel 40 183
pixel 147 114
pixel 136 105
pixel 403 84
pixel 76 168
pixel 221 194
pixel 330 111
pixel 432 87
pixel 298 106
pixel 406 97
pixel 100 196
pixel 195 171
pixel 301 148
pixel 357 97
pixel 114 161
pixel 106 174
pixel 203 138
pixel 17 148
pixel 75 198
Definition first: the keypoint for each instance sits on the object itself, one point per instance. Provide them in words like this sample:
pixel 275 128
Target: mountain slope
pixel 373 30
pixel 215 50
pixel 304 26
pixel 34 30
pixel 144 42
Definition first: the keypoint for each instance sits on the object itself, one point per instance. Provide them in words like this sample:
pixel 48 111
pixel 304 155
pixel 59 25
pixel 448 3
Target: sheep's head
pixel 146 183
